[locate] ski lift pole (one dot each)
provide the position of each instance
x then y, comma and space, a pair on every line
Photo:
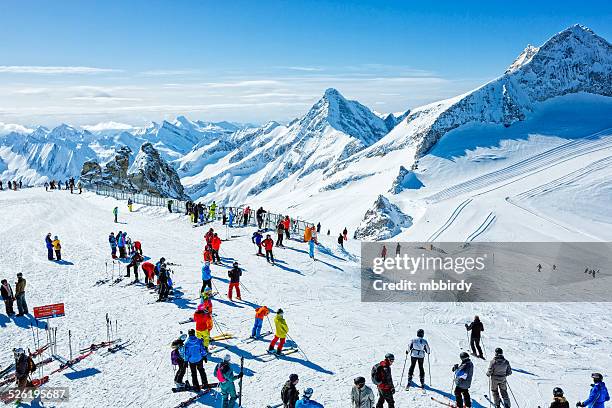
70, 343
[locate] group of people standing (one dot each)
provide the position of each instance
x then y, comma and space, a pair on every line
54, 246
9, 296
67, 185
11, 185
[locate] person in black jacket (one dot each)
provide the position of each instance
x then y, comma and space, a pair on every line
290, 394
234, 275
559, 399
162, 278
7, 296
134, 263
476, 328
24, 365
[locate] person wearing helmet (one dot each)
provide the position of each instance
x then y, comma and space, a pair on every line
417, 350
559, 400
381, 376
195, 353
499, 369
206, 276
463, 380
268, 244
306, 401
476, 327
260, 314
362, 396
289, 393
24, 365
234, 275
226, 377
203, 323
598, 395
281, 327
176, 357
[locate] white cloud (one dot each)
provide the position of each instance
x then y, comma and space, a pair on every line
170, 72
32, 69
307, 69
6, 128
107, 126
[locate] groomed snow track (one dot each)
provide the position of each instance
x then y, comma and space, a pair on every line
449, 221
482, 227
526, 167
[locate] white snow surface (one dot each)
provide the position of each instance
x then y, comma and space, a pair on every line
547, 344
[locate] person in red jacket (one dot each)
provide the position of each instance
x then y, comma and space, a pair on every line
207, 254
215, 244
149, 271
209, 236
268, 244
381, 376
286, 225
203, 323
138, 247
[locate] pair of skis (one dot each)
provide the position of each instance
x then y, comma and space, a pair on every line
70, 363
7, 398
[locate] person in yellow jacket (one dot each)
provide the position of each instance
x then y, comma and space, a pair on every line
57, 247
307, 234
281, 332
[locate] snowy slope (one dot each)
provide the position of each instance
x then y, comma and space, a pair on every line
548, 344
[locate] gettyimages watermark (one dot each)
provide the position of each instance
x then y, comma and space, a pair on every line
486, 272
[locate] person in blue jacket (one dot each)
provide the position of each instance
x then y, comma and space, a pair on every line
311, 247
194, 353
231, 219
206, 276
113, 244
48, 242
306, 402
257, 239
598, 395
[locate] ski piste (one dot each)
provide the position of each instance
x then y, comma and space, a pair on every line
70, 363
448, 404
191, 389
4, 397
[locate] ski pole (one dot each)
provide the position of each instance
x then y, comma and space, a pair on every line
429, 369
513, 397
70, 343
484, 350
403, 368
298, 346
467, 333
240, 383
490, 391
107, 331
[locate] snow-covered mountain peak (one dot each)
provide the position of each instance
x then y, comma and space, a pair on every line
349, 117
523, 58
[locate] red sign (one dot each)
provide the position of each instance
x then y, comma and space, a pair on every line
49, 311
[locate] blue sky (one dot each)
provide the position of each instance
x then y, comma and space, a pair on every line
136, 61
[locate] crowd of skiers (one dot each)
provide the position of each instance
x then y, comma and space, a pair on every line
11, 185
67, 185
9, 297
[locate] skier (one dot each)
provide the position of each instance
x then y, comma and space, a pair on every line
318, 228
398, 249
20, 285
7, 296
245, 215
57, 247
209, 236
476, 327
307, 234
115, 213
268, 244
256, 239
121, 237
311, 248
231, 218
162, 279
286, 226
539, 267
280, 232
289, 393
559, 400
361, 395
46, 186
24, 365
149, 270
281, 330
206, 276
383, 252
177, 360
203, 323
135, 261
212, 211
113, 244
215, 244
499, 369
207, 254
463, 380
205, 297
345, 234
381, 376
49, 244
306, 401
130, 203
260, 313
170, 206
80, 186
417, 350
195, 355
226, 377
234, 275
138, 247
224, 214
260, 214
598, 395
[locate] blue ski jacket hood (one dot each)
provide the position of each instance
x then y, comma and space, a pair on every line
206, 273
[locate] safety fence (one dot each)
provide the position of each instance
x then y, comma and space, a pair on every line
236, 215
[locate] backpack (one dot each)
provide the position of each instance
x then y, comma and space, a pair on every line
285, 392
376, 374
219, 373
174, 357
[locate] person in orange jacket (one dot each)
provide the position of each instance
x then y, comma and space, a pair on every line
286, 225
204, 323
215, 244
260, 314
